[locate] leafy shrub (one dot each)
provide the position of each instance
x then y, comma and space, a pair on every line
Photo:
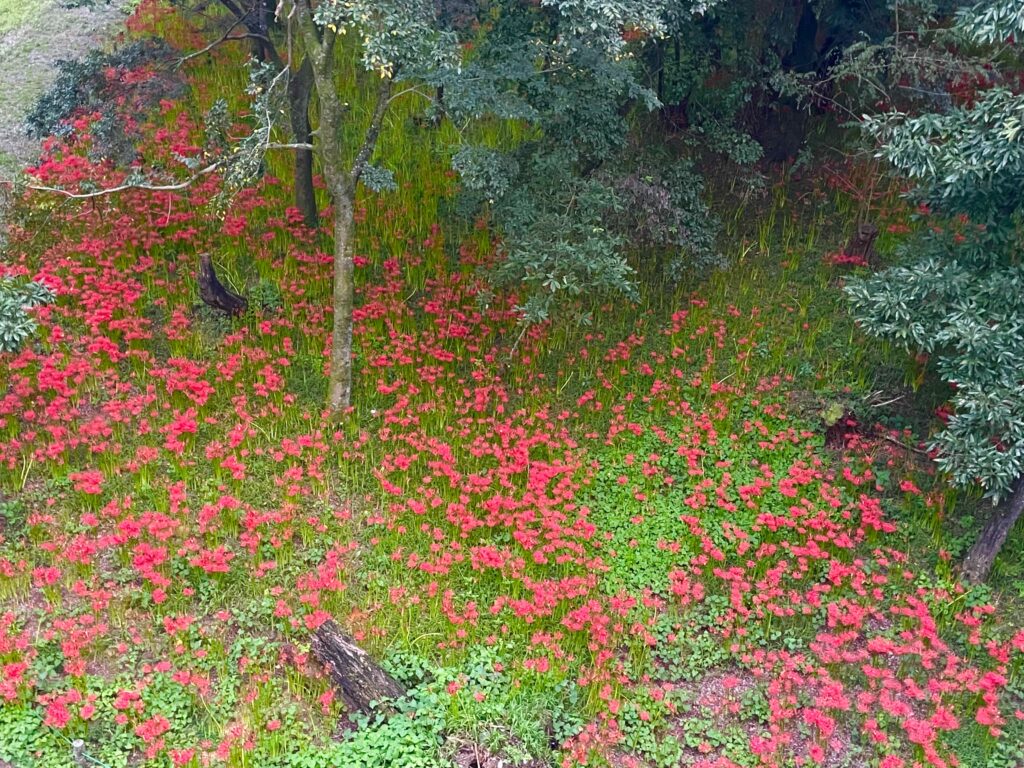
665, 212
266, 296
96, 83
16, 324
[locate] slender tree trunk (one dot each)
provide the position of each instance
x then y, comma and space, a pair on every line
300, 87
342, 189
339, 394
342, 181
979, 560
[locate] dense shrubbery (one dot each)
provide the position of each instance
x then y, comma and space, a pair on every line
117, 84
16, 324
958, 295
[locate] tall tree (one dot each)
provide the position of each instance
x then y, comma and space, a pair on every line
255, 17
568, 72
960, 296
400, 40
560, 65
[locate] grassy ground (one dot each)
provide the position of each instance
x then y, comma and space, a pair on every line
15, 14
624, 545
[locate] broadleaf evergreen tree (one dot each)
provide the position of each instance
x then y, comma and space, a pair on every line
959, 296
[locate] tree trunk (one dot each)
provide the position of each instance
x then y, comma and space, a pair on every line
862, 243
979, 560
256, 23
361, 681
342, 188
342, 181
300, 87
339, 384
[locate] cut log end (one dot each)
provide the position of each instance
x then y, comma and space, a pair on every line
363, 684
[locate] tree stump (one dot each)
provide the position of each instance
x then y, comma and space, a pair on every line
214, 293
862, 243
360, 680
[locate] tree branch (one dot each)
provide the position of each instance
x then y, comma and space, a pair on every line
303, 16
256, 31
227, 37
296, 145
177, 187
373, 131
130, 185
410, 89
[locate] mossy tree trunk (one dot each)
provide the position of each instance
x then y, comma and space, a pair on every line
342, 178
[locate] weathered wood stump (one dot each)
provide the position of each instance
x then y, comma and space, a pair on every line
214, 293
360, 680
862, 243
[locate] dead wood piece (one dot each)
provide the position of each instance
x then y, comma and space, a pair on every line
838, 433
359, 678
862, 243
214, 293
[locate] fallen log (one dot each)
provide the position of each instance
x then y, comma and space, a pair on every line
360, 680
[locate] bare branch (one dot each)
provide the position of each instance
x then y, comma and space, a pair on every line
227, 37
410, 89
130, 185
145, 186
297, 145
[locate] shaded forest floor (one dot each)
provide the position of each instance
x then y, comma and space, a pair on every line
698, 533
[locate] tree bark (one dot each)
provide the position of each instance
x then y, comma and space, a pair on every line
339, 389
979, 560
342, 182
213, 293
361, 681
300, 87
862, 243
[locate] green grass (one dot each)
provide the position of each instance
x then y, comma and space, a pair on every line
15, 13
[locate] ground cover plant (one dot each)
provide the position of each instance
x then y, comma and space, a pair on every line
660, 539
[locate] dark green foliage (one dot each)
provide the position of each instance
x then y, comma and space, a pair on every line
957, 296
16, 324
95, 84
562, 196
663, 216
715, 74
